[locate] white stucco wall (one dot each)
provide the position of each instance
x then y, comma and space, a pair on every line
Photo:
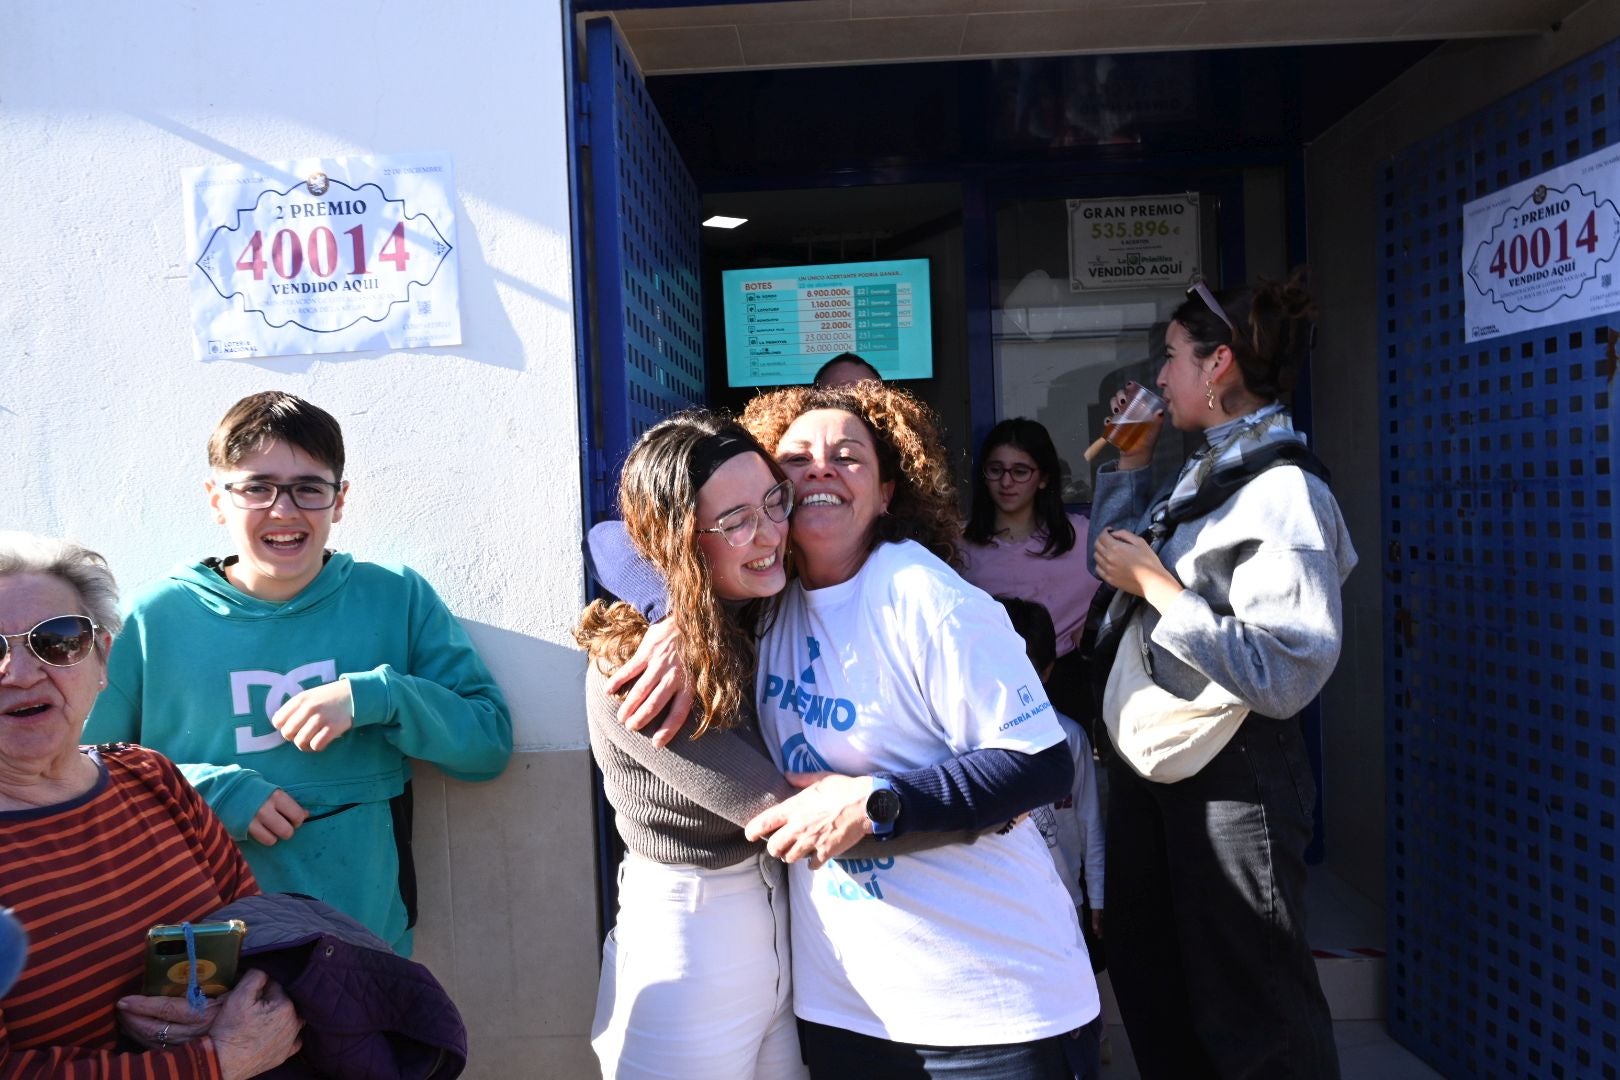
463, 460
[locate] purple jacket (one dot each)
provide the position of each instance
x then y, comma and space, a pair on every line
369, 1014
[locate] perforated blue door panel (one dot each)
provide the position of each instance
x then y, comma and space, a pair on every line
1499, 532
646, 214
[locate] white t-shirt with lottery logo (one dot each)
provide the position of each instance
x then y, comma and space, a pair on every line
906, 665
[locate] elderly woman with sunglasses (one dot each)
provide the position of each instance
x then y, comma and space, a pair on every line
99, 844
1229, 579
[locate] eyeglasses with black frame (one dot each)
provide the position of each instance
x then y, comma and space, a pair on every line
262, 494
995, 470
60, 641
739, 527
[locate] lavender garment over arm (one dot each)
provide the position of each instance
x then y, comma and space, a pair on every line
619, 568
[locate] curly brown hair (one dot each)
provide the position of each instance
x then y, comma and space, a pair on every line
658, 503
909, 450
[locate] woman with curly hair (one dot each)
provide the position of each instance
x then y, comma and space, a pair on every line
905, 697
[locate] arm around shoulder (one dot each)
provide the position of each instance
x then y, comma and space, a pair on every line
719, 770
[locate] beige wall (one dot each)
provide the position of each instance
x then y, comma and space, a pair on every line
463, 459
1343, 169
507, 917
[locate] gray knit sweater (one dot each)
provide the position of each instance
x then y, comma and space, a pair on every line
1261, 614
686, 803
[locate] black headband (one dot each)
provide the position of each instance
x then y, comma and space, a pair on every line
714, 451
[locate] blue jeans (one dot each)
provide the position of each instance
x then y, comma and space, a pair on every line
835, 1054
1206, 915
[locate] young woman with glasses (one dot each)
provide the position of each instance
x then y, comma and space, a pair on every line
1020, 541
695, 974
693, 982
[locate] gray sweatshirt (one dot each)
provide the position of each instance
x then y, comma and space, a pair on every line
1261, 614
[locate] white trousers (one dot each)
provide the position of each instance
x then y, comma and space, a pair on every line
696, 982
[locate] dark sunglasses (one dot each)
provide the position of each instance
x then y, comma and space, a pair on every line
61, 641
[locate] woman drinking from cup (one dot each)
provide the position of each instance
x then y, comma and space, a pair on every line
1229, 585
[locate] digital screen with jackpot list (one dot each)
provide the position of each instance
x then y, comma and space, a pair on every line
784, 322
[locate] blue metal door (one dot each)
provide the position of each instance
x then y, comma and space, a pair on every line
1500, 651
645, 309
641, 320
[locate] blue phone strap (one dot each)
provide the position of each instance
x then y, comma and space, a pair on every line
194, 994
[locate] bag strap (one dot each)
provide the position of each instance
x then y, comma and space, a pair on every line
1218, 487
1224, 482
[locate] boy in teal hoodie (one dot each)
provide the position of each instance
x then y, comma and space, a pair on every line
293, 684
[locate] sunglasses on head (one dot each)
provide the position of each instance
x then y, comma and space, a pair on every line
60, 641
1200, 290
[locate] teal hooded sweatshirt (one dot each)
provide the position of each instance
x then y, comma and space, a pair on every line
201, 667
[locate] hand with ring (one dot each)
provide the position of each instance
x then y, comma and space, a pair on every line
159, 1023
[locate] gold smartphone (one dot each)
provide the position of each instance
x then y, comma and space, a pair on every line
219, 947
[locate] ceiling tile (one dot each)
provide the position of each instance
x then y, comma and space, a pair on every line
822, 32
877, 8
1156, 26
858, 41
1225, 23
696, 48
1465, 18
785, 11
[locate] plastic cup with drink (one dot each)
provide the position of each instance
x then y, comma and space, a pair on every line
1127, 428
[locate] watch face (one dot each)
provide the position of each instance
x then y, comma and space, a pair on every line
883, 806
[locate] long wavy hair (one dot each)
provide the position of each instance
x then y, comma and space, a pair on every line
910, 454
659, 506
1030, 436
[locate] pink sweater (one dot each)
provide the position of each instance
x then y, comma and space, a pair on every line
1063, 584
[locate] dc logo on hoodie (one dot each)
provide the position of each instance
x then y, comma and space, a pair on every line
279, 688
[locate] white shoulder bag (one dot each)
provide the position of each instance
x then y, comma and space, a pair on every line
1163, 737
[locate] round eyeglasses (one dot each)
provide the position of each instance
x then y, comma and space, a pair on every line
995, 470
262, 494
738, 527
60, 641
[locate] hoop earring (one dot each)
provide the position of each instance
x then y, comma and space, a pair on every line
1209, 394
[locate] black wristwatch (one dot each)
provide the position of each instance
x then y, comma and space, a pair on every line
882, 807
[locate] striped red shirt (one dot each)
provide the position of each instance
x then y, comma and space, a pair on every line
87, 879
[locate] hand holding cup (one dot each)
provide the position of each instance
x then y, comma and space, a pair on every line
1134, 426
